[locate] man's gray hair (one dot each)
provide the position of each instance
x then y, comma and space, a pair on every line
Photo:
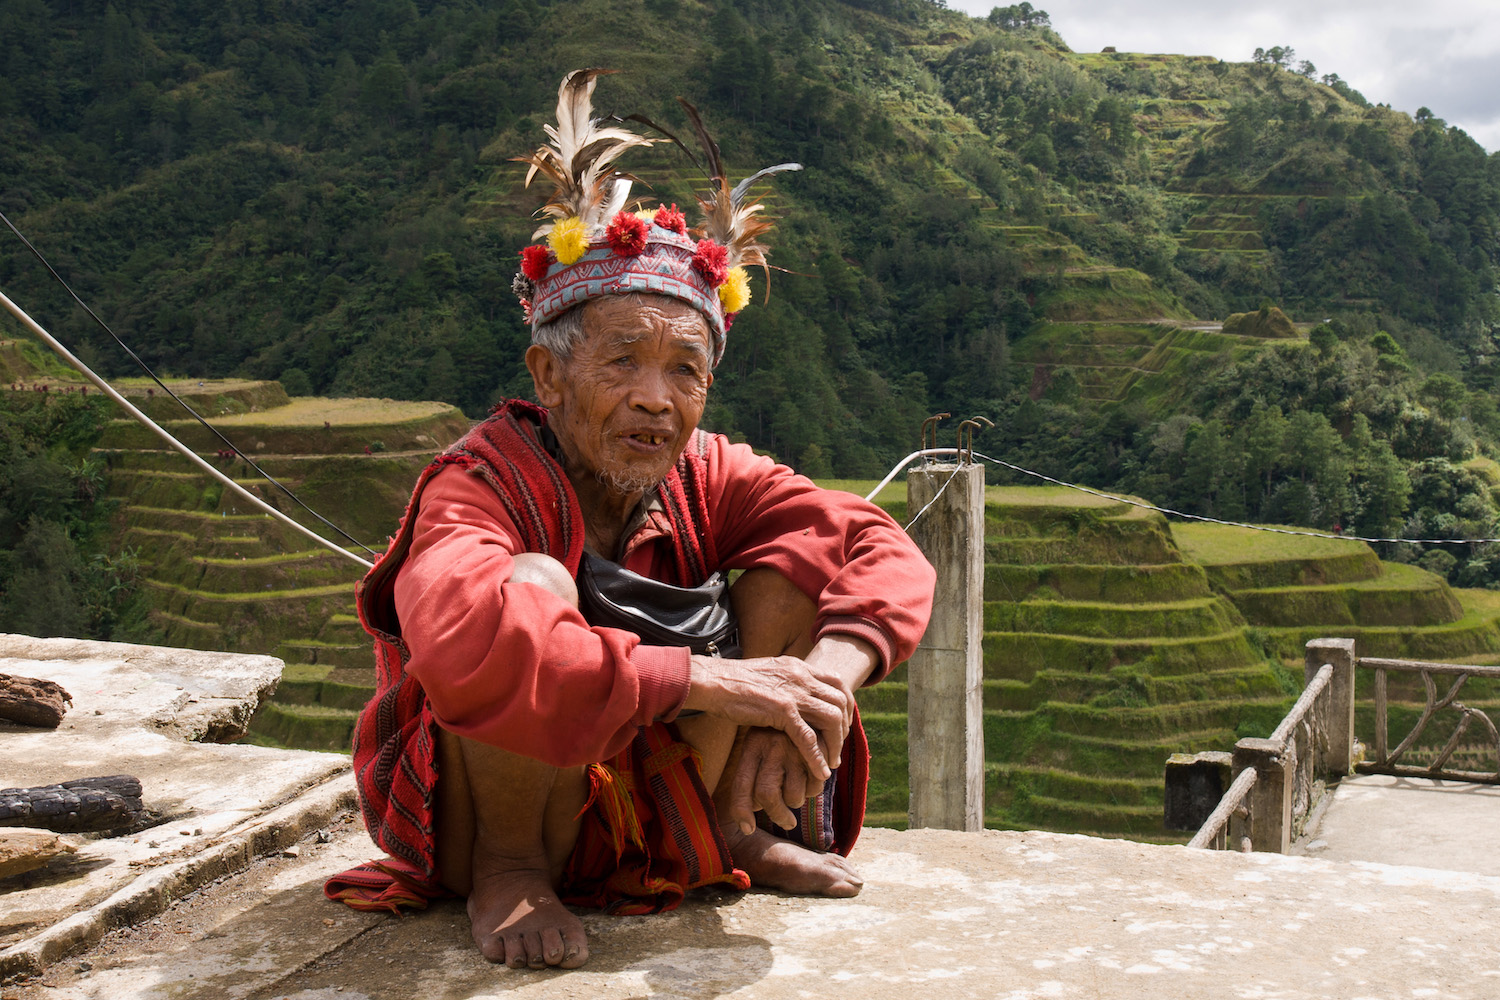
563, 333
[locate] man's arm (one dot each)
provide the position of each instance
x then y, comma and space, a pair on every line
514, 666
869, 580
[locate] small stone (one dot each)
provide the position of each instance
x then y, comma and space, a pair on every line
98, 711
85, 966
324, 836
328, 921
197, 831
292, 852
152, 843
185, 833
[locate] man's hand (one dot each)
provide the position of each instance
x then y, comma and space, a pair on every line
775, 692
811, 701
768, 775
845, 663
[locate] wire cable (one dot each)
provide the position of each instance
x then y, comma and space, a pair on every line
196, 415
932, 452
1233, 524
191, 455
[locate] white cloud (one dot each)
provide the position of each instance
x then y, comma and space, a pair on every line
1443, 55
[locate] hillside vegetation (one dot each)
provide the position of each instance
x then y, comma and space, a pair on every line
988, 223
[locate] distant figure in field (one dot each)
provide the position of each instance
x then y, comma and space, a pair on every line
572, 708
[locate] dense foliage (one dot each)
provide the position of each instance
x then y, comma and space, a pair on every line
56, 575
319, 192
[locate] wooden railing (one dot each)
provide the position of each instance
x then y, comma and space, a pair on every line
1388, 761
1271, 786
1278, 780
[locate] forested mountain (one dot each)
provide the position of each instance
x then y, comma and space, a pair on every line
321, 192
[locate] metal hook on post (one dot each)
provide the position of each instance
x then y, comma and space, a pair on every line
966, 441
931, 424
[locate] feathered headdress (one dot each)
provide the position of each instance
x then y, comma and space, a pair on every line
593, 247
727, 219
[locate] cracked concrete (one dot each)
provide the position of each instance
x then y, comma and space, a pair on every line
209, 905
994, 914
136, 710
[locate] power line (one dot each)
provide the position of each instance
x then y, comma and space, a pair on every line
191, 455
1145, 505
165, 388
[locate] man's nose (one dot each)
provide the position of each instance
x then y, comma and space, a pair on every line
651, 392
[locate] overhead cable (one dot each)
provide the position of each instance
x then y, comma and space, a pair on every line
191, 455
167, 389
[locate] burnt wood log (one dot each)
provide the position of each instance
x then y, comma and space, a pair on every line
74, 806
32, 702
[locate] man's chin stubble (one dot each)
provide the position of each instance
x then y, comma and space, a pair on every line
628, 481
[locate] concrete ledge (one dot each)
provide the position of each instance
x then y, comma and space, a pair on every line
943, 915
154, 891
213, 807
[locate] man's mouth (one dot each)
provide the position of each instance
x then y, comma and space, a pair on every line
649, 439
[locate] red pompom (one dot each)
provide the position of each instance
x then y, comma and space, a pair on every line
626, 235
535, 260
712, 261
671, 219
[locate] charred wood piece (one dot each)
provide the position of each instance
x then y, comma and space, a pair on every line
33, 702
88, 804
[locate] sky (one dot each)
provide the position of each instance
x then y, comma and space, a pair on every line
1440, 54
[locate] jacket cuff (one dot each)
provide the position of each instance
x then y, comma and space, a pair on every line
860, 628
663, 673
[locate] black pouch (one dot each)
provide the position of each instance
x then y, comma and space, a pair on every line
699, 618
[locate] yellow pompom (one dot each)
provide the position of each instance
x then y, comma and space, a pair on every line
569, 240
647, 214
735, 292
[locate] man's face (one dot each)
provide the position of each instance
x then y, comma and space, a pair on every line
626, 402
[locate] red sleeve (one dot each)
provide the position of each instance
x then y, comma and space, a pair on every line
511, 664
869, 579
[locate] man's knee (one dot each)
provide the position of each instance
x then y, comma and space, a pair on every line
775, 617
547, 573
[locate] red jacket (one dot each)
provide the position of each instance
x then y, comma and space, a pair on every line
511, 665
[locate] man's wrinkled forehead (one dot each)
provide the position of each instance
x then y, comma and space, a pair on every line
625, 323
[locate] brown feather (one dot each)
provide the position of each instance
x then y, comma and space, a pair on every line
579, 159
727, 219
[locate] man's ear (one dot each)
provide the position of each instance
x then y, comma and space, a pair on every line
546, 375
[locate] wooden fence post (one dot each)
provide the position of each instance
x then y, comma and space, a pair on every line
1339, 759
945, 721
1271, 799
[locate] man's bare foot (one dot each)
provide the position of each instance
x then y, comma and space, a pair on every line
518, 919
774, 863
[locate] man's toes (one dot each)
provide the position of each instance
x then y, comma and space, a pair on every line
843, 889
536, 957
552, 946
491, 946
575, 948
515, 951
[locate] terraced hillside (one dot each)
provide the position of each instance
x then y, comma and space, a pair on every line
1112, 640
226, 577
1294, 588
1104, 651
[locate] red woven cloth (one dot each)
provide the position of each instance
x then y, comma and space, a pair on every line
651, 832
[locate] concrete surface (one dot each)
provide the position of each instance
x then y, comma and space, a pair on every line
136, 710
1410, 821
943, 914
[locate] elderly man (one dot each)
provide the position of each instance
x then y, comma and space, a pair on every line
521, 755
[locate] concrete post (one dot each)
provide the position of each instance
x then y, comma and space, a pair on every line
1339, 759
1195, 782
1271, 798
945, 720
